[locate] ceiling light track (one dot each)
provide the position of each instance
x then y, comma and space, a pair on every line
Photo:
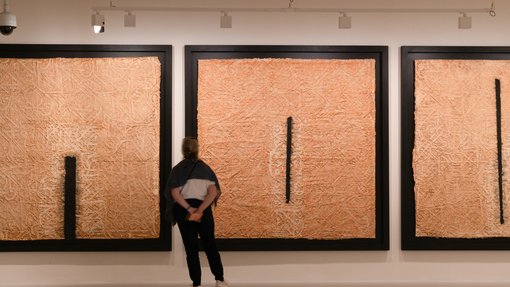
344, 21
297, 10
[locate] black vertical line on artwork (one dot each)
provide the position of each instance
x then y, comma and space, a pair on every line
500, 160
70, 198
289, 157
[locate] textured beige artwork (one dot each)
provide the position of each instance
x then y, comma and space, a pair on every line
103, 111
243, 105
455, 157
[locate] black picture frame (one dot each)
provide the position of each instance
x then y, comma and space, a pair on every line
164, 53
409, 240
194, 53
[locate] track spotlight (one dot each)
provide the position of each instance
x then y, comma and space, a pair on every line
129, 20
7, 20
98, 23
464, 21
344, 21
225, 21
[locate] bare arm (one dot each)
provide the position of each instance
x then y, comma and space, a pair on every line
209, 198
177, 196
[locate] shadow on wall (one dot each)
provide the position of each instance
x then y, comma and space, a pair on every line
496, 256
86, 258
303, 257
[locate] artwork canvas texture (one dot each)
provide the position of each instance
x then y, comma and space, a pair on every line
105, 113
243, 112
461, 148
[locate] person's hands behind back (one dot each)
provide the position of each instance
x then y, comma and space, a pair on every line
195, 217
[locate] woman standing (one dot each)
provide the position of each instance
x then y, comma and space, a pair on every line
194, 188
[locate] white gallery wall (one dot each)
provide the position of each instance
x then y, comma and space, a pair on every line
68, 22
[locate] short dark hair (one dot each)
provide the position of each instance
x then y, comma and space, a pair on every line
190, 148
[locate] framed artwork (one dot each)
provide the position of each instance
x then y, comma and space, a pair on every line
455, 148
297, 136
85, 133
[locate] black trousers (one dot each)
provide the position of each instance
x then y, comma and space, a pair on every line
190, 232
